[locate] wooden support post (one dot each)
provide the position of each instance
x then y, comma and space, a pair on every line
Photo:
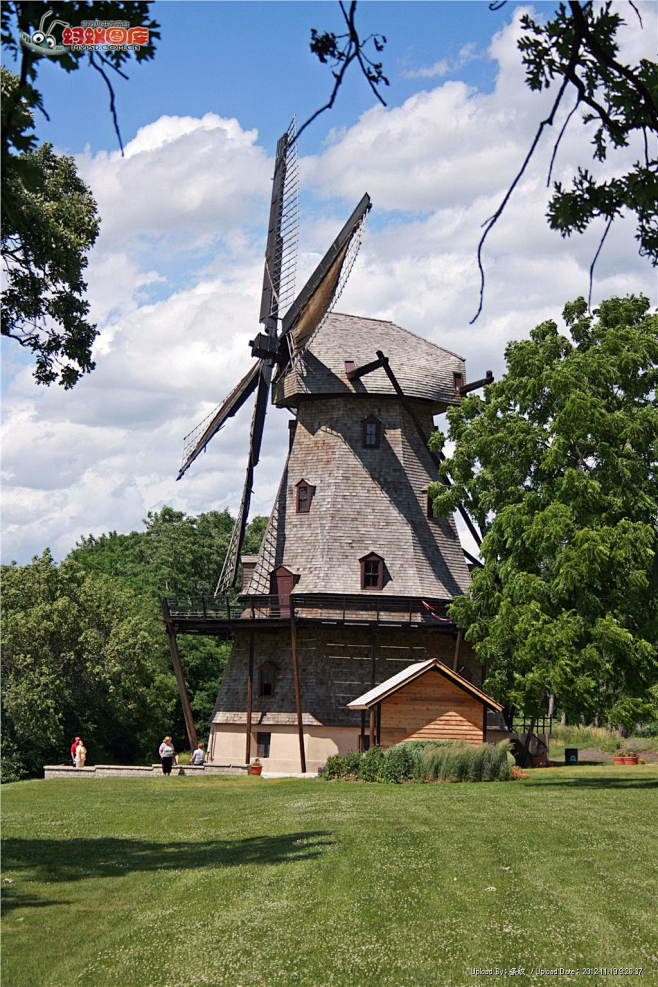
379, 724
180, 678
298, 688
250, 698
458, 650
373, 669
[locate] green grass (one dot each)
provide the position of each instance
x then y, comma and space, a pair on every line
596, 739
178, 882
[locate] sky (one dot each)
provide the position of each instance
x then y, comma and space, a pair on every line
174, 278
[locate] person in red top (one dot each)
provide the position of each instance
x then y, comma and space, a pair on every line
73, 749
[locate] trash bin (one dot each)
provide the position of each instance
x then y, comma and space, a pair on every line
571, 755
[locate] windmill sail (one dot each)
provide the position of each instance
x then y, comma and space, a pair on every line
318, 294
278, 288
232, 559
283, 233
198, 439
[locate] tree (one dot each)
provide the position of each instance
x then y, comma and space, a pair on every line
175, 555
557, 463
50, 219
577, 51
50, 223
81, 655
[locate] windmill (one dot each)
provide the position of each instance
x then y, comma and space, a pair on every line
354, 572
272, 350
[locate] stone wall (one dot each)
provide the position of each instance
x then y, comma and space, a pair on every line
139, 770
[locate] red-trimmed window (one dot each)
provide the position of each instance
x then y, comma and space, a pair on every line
372, 571
372, 432
304, 497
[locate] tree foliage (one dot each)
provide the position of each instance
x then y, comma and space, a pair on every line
577, 50
85, 650
49, 215
80, 655
50, 223
558, 465
579, 46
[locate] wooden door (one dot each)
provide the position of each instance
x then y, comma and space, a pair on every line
282, 581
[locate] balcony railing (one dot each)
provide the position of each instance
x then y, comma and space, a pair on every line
330, 608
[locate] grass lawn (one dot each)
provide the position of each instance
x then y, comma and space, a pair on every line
176, 882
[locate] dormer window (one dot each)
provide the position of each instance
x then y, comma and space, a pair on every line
266, 679
372, 432
458, 382
304, 497
372, 571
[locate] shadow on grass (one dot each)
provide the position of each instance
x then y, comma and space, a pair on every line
76, 860
604, 781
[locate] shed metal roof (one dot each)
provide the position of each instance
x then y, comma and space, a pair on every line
411, 672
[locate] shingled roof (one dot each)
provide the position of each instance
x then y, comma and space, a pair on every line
423, 369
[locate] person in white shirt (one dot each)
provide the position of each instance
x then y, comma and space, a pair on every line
199, 755
167, 754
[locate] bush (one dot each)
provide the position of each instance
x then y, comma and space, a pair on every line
371, 763
646, 729
398, 765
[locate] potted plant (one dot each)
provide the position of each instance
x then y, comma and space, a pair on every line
256, 768
630, 757
619, 758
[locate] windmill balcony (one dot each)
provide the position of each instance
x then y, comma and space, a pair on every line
203, 614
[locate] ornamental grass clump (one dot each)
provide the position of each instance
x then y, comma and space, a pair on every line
465, 762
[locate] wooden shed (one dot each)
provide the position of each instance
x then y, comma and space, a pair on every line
427, 701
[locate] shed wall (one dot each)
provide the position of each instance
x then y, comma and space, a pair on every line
431, 708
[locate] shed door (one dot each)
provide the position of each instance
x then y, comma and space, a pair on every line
282, 581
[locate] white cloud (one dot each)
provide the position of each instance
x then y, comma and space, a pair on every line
445, 66
175, 279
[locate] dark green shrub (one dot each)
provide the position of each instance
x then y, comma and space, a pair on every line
335, 767
342, 765
397, 765
370, 764
352, 763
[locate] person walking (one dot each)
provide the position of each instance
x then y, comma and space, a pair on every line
80, 755
167, 754
74, 747
199, 755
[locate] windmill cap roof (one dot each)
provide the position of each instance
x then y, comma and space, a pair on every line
423, 369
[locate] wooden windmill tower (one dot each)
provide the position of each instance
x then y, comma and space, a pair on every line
354, 573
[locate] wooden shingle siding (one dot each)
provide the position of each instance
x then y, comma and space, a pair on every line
423, 369
335, 667
431, 708
366, 500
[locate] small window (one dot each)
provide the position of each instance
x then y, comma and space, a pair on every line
372, 572
304, 497
430, 511
263, 744
372, 432
266, 679
458, 381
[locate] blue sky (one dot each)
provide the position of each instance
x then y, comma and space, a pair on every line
252, 60
174, 278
